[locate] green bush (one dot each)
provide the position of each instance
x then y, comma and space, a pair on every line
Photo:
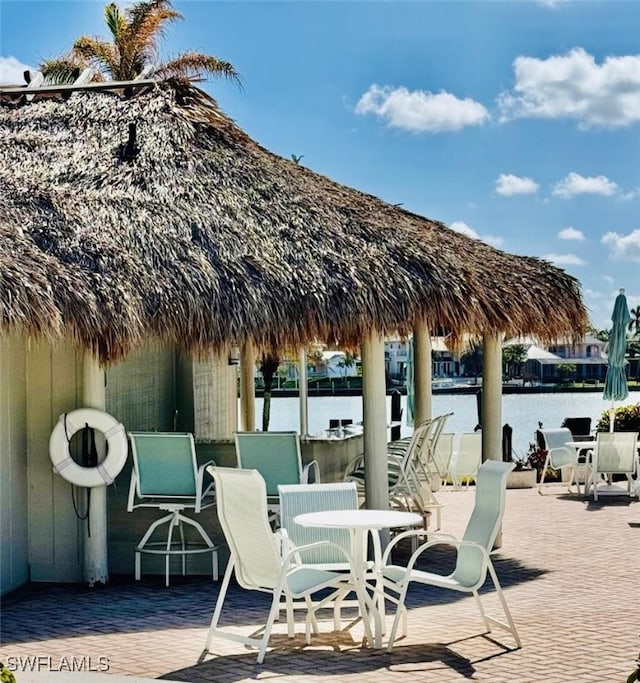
627, 419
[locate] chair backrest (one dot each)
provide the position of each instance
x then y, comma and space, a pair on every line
468, 457
555, 442
443, 453
297, 499
276, 455
616, 452
241, 500
164, 464
485, 521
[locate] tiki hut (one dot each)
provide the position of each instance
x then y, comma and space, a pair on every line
139, 212
155, 215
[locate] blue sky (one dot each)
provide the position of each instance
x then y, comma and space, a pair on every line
516, 122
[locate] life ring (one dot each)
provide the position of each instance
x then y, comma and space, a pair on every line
106, 471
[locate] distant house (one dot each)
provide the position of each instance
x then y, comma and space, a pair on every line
443, 361
334, 365
542, 365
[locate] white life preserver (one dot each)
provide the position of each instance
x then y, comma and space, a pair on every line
106, 471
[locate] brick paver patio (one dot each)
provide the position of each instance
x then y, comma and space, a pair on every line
570, 569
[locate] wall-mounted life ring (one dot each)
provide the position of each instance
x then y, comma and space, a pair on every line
106, 471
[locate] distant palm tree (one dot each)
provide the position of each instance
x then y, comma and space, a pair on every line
634, 323
135, 34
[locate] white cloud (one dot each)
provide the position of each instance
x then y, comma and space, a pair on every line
421, 111
11, 71
571, 234
508, 185
573, 86
493, 240
464, 229
565, 259
608, 279
626, 247
573, 184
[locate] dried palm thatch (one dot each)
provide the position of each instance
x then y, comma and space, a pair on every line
197, 235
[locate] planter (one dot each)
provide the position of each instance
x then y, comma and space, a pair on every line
521, 479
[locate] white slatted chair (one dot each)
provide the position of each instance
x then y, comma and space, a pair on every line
302, 498
473, 559
258, 563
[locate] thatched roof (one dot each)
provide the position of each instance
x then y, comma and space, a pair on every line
205, 237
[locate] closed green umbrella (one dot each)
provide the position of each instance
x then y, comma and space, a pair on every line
615, 383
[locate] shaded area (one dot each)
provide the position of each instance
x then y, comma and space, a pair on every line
128, 606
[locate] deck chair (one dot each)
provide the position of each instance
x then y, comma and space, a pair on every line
466, 460
443, 455
559, 454
614, 453
258, 563
166, 476
296, 499
276, 455
473, 559
404, 486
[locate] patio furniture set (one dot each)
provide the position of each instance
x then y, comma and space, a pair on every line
293, 537
597, 461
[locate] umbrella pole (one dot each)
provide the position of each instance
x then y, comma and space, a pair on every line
612, 415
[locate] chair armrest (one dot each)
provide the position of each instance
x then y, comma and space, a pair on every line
457, 543
294, 551
200, 494
353, 465
307, 469
433, 538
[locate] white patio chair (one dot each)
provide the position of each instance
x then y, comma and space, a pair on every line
559, 454
166, 476
614, 453
258, 563
466, 460
301, 498
473, 559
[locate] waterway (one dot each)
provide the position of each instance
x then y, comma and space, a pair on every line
521, 411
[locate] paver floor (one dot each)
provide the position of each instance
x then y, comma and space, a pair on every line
570, 569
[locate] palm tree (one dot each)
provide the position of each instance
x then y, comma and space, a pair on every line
634, 323
135, 34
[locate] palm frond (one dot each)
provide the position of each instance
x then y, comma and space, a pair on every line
114, 20
99, 54
61, 70
138, 13
192, 66
143, 36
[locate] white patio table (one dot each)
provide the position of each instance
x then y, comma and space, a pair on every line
359, 523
